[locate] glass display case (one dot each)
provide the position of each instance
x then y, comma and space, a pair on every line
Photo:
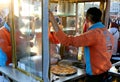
32, 48
30, 37
72, 22
65, 17
28, 29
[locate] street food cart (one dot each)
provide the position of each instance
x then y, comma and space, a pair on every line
31, 47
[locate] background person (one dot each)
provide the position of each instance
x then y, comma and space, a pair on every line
5, 40
98, 43
113, 29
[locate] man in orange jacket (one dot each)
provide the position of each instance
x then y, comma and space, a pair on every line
98, 43
5, 42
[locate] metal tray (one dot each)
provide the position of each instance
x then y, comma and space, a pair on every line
79, 65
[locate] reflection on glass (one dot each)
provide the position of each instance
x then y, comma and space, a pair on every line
28, 33
71, 22
66, 8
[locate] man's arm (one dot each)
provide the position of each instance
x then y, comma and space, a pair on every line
53, 21
85, 39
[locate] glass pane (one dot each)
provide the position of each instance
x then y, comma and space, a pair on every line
66, 8
28, 33
67, 19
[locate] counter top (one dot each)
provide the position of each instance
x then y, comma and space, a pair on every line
16, 75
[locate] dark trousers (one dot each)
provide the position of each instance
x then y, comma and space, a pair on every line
97, 78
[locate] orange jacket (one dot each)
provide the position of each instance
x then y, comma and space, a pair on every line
52, 38
100, 43
5, 43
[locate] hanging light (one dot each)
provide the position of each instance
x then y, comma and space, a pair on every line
66, 7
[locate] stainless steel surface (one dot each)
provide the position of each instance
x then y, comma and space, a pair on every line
114, 70
16, 75
116, 64
80, 73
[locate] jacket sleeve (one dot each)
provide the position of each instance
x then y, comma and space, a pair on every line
5, 42
86, 39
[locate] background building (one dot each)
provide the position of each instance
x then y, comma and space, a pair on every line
115, 11
115, 8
